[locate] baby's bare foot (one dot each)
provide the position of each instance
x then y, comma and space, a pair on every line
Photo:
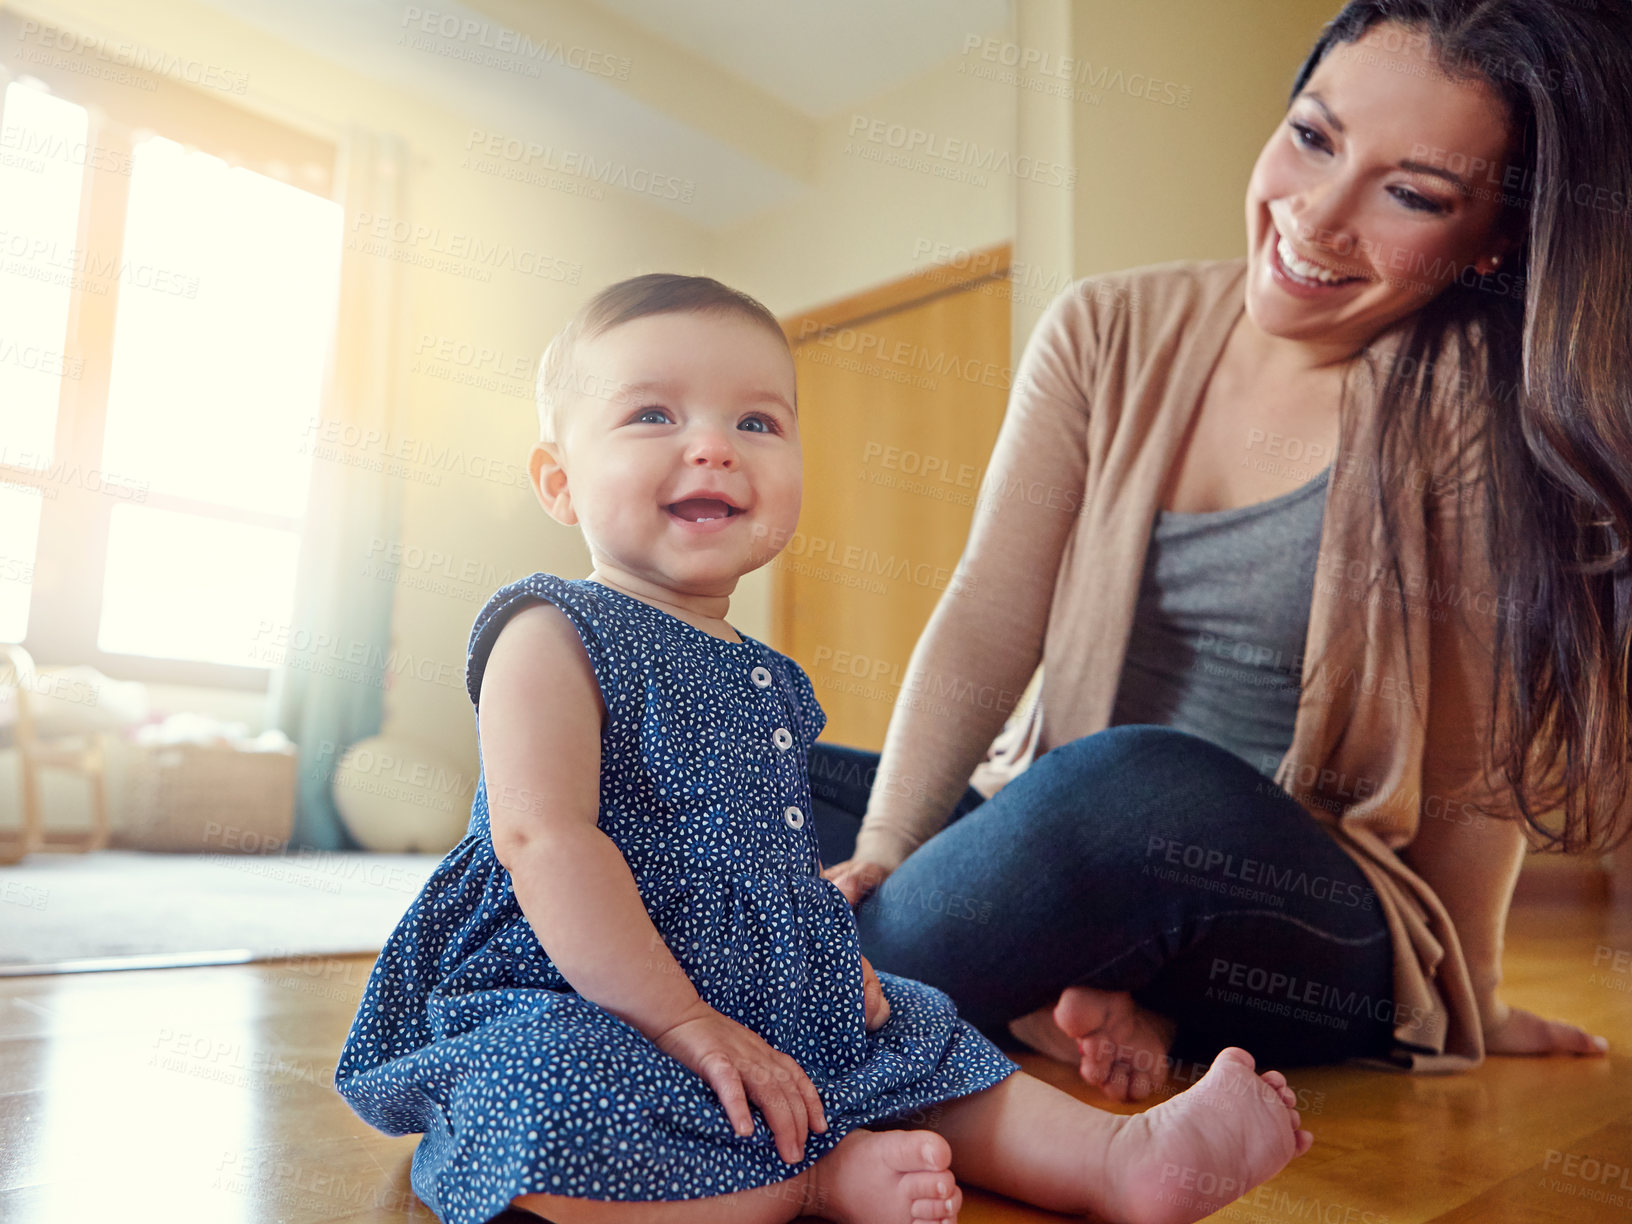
1122, 1048
886, 1177
1188, 1156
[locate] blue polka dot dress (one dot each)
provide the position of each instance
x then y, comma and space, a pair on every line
468, 1034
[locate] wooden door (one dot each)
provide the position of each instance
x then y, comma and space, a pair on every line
901, 393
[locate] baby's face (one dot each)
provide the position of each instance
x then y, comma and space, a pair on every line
685, 467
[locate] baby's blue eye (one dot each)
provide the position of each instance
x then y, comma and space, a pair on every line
770, 426
646, 412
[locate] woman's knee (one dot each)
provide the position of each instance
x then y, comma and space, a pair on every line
1131, 778
1157, 753
1148, 799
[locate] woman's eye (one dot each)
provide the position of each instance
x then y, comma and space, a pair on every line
1420, 203
1307, 136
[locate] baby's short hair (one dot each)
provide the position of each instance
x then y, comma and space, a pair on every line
652, 294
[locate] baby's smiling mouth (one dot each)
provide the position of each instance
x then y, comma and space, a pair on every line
701, 509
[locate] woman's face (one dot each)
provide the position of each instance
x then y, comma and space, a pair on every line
1386, 173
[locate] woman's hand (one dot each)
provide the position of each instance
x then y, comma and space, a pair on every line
877, 1007
738, 1065
856, 878
1516, 1031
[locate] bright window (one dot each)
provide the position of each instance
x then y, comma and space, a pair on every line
223, 330
169, 282
186, 586
39, 217
226, 307
19, 544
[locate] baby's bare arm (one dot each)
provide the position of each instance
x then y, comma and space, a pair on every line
540, 716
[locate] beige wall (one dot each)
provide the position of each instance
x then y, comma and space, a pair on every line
866, 221
1162, 180
1161, 111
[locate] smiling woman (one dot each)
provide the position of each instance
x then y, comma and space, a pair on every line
1430, 304
1352, 224
1511, 108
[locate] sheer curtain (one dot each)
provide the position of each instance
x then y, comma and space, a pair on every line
328, 692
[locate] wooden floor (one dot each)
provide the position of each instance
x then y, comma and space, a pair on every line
205, 1094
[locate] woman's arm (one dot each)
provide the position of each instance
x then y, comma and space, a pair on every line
1472, 863
1470, 842
985, 638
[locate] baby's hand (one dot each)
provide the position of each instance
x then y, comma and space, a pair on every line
732, 1057
877, 1007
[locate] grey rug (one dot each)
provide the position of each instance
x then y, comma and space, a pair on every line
127, 909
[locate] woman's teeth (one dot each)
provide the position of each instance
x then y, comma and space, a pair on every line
1308, 271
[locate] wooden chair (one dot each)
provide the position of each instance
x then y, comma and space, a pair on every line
83, 754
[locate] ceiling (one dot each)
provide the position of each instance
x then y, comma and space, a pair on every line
822, 58
791, 64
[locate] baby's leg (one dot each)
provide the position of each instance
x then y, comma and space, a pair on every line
776, 1204
871, 1177
1172, 1164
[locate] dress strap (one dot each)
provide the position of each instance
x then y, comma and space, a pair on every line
593, 617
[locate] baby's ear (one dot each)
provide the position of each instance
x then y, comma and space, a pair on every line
549, 481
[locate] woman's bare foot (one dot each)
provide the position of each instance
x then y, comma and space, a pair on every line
1040, 1032
1187, 1157
886, 1177
1117, 1046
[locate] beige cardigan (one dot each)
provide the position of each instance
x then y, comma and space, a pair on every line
1108, 384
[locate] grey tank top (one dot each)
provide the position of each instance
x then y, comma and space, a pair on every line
1223, 612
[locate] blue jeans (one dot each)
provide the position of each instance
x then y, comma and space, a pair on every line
1140, 859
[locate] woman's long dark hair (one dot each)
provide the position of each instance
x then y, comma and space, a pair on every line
1547, 401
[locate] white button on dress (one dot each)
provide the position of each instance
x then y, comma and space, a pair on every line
794, 817
782, 738
761, 677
